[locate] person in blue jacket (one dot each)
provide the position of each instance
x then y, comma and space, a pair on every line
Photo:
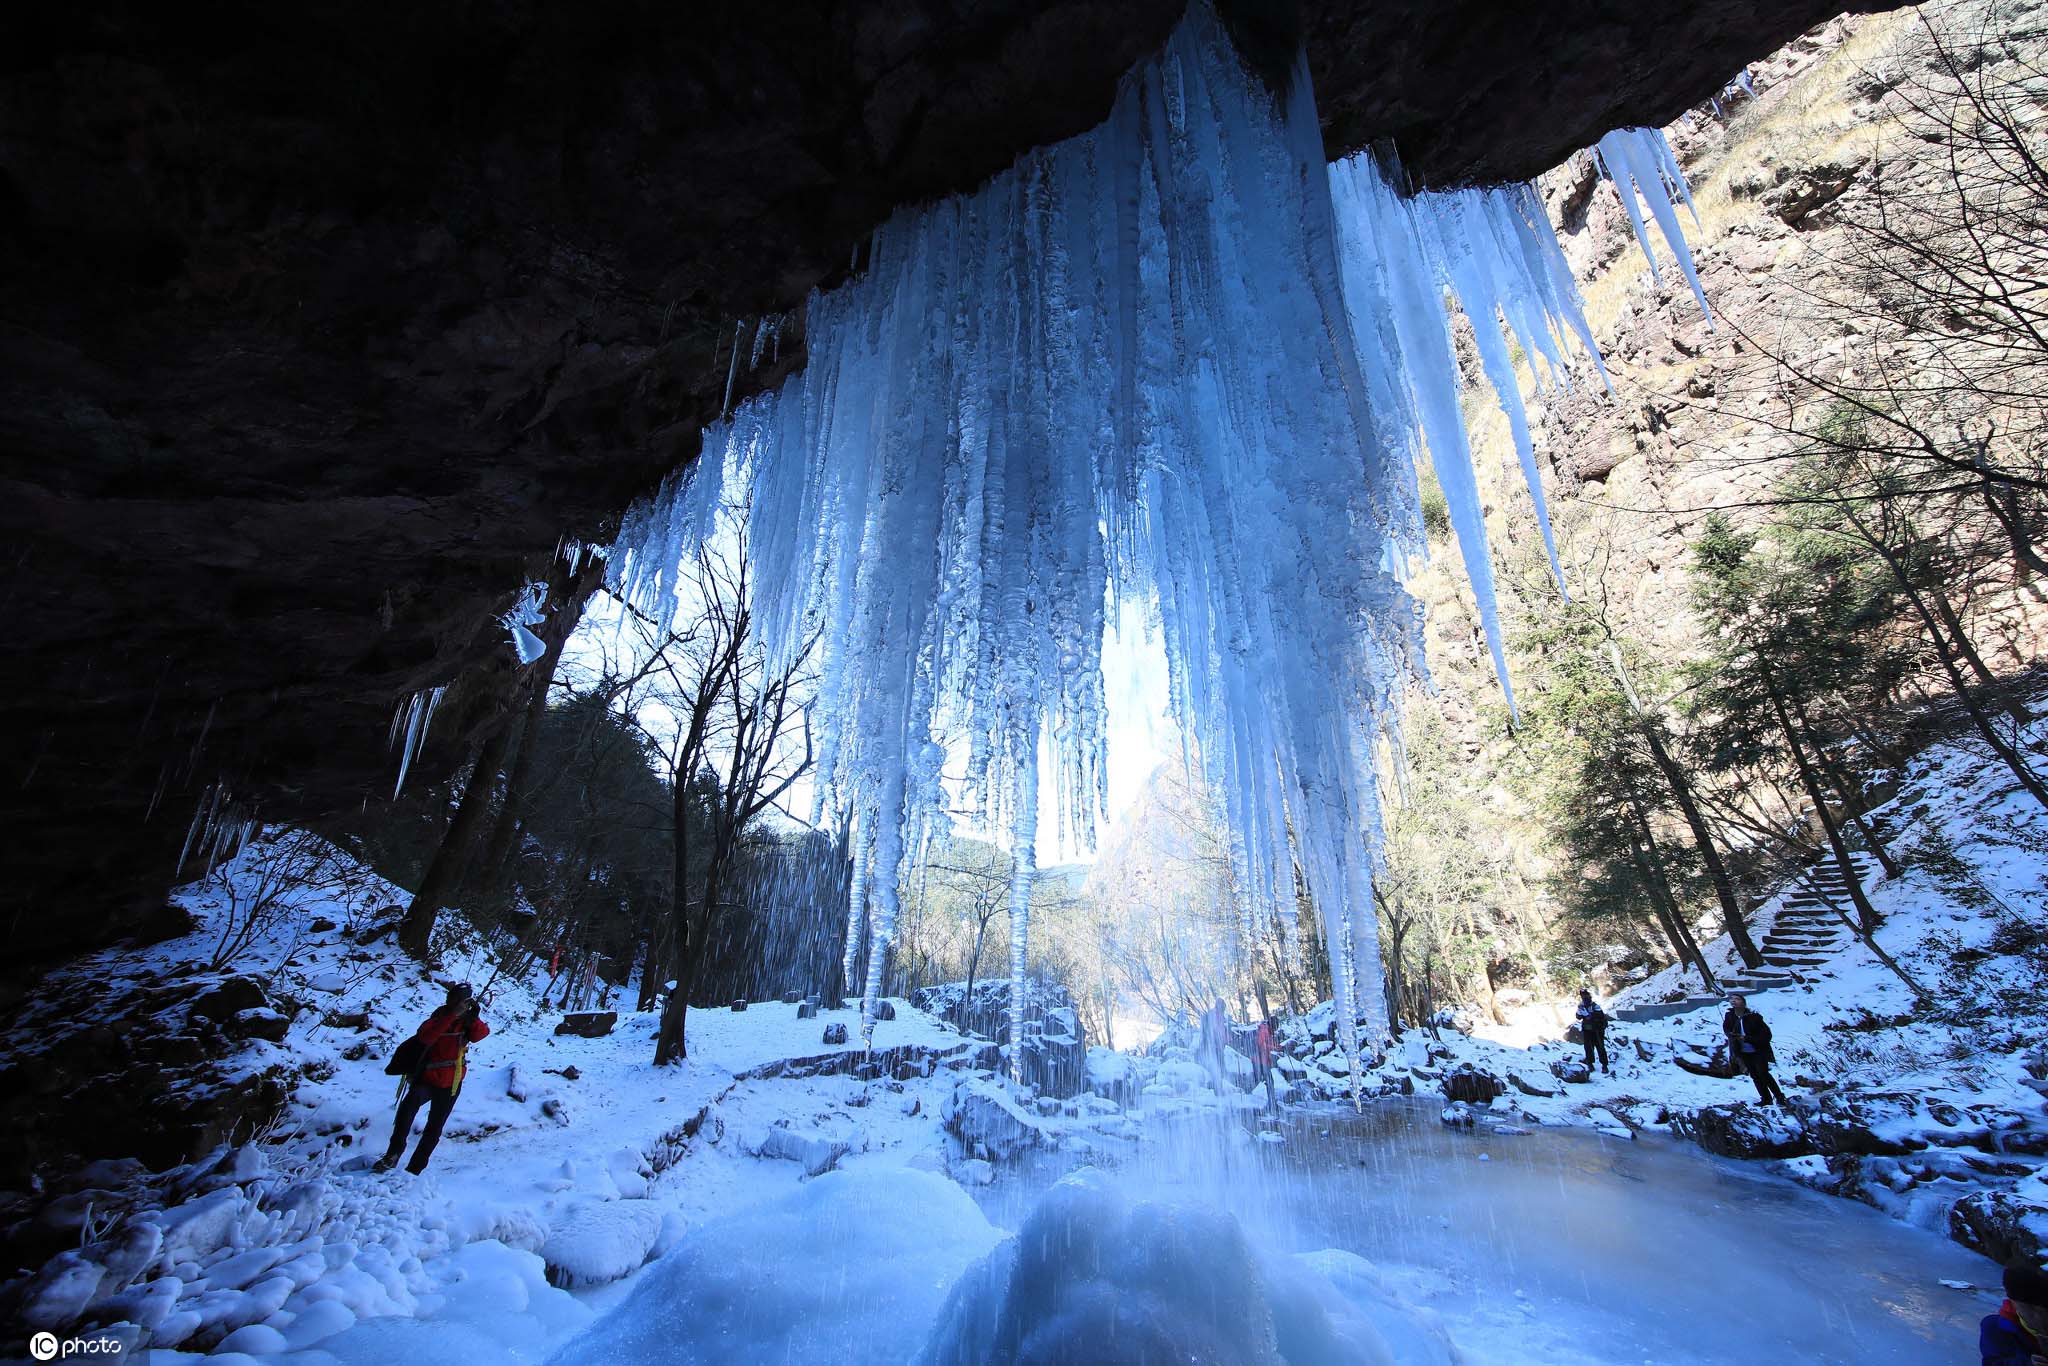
2013, 1336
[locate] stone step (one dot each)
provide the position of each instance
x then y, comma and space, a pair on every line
1786, 961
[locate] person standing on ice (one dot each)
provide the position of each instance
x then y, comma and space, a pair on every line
1265, 1047
1593, 1030
445, 1039
1749, 1046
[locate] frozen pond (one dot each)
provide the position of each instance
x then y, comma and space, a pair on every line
1566, 1246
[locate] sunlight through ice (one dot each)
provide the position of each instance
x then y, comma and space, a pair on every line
1175, 373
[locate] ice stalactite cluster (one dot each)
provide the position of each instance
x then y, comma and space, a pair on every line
1179, 358
1494, 252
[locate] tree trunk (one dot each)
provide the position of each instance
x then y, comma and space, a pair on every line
973, 966
1844, 793
451, 861
1703, 840
1946, 652
1650, 859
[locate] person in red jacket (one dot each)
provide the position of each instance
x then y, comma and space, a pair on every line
446, 1037
1265, 1048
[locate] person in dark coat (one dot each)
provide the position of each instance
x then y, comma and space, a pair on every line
1593, 1031
447, 1035
2010, 1337
1749, 1046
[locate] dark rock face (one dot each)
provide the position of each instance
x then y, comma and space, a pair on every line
1472, 1086
588, 1024
321, 331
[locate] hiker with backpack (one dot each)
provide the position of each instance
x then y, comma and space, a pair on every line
1593, 1030
433, 1062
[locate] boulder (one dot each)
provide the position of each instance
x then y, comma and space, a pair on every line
815, 1153
260, 1022
1472, 1085
1527, 1087
589, 1024
1571, 1070
988, 1124
884, 1011
808, 1010
739, 1007
1869, 1124
2004, 1226
1459, 1115
1746, 1131
835, 1033
230, 998
790, 998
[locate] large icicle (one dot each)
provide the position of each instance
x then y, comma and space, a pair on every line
1177, 358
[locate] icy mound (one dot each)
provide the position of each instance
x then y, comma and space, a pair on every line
853, 1267
599, 1243
1168, 1284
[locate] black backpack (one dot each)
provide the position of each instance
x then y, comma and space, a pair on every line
407, 1059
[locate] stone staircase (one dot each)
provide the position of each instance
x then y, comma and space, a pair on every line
1807, 932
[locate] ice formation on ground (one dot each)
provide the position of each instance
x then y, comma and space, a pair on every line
1178, 359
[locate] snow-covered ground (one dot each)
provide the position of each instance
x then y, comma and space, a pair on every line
771, 1198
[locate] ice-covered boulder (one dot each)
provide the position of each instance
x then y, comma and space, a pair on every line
989, 1124
60, 1291
2009, 1227
1167, 1284
815, 1153
597, 1243
1113, 1075
852, 1265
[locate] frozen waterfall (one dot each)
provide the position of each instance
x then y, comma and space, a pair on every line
1178, 358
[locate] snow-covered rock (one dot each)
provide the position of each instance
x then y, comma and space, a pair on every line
989, 1124
815, 1153
597, 1243
1747, 1131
